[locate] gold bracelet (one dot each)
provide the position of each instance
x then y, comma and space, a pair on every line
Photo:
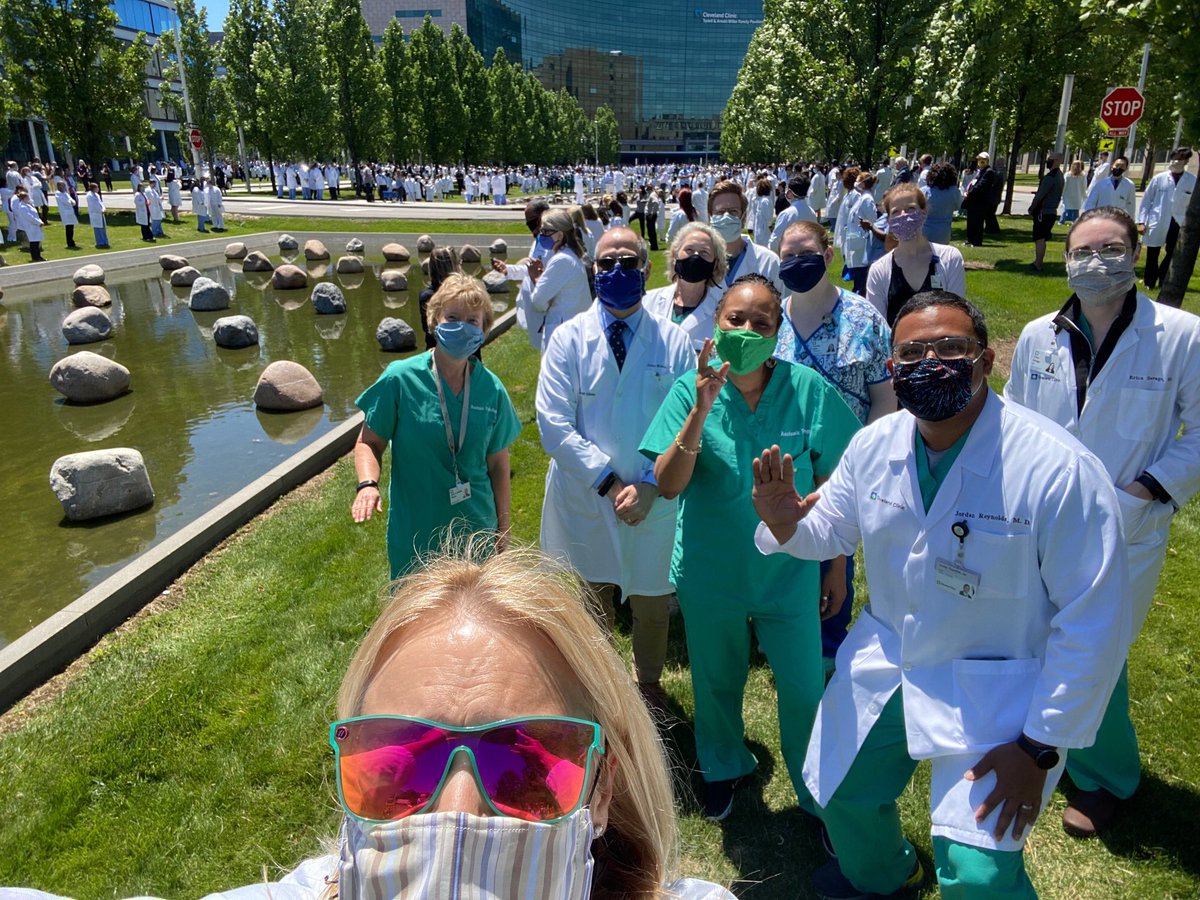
688, 450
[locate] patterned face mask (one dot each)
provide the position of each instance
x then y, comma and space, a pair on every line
458, 856
934, 389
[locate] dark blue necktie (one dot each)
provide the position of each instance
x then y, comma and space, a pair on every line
616, 340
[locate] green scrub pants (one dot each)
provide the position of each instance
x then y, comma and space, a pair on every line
719, 641
864, 827
1113, 762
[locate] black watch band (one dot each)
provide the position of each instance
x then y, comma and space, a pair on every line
1152, 484
1043, 757
370, 482
607, 483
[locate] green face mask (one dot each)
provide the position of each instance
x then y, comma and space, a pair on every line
744, 350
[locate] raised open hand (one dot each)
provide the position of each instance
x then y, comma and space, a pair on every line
776, 500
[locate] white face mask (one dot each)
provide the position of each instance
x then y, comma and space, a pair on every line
458, 856
1098, 281
728, 226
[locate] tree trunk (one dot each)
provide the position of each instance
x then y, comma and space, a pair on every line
1183, 262
271, 166
1148, 168
1011, 177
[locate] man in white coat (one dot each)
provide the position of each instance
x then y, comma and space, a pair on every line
816, 192
1121, 373
1113, 190
604, 375
1164, 207
997, 624
499, 189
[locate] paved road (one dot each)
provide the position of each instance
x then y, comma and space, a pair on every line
264, 205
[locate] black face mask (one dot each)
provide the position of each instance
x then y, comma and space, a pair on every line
694, 268
1117, 173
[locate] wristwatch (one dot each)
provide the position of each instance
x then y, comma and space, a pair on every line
1043, 757
370, 482
607, 483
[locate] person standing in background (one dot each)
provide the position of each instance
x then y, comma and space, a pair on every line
154, 198
1074, 192
66, 214
174, 196
199, 205
95, 205
978, 198
1044, 208
1164, 208
28, 221
1113, 190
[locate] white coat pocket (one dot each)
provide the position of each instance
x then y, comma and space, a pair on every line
1002, 561
1142, 414
1134, 515
992, 696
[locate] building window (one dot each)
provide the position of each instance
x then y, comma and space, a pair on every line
418, 13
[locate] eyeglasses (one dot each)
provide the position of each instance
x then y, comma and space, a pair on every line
607, 263
944, 348
1109, 253
535, 768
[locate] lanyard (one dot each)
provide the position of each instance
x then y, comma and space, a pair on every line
466, 409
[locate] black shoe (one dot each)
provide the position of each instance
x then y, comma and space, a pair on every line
830, 884
718, 799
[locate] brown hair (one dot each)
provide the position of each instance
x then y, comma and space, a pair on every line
903, 190
1112, 214
850, 176
728, 187
814, 229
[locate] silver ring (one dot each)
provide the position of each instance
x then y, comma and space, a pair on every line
1026, 806
824, 598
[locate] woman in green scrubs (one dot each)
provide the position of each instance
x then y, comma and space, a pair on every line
450, 423
704, 440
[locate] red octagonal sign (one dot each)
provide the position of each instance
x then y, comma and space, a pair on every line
1121, 107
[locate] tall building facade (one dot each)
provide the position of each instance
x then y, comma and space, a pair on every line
29, 138
665, 67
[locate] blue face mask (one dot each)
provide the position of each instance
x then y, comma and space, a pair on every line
620, 288
459, 339
545, 243
801, 274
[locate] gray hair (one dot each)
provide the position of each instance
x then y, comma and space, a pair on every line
720, 255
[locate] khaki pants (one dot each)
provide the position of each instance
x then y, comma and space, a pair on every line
651, 624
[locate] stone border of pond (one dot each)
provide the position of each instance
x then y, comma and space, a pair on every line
52, 645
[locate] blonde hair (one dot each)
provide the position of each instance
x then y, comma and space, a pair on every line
465, 289
526, 590
721, 259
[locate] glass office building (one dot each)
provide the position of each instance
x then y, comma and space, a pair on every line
666, 67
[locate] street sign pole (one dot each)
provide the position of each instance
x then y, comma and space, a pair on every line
1142, 90
1064, 108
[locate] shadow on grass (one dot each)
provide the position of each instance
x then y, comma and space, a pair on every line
1157, 821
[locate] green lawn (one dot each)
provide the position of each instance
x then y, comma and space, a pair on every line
189, 751
125, 234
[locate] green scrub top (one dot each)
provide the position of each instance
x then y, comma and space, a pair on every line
931, 479
714, 554
402, 407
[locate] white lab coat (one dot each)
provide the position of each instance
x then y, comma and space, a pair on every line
25, 216
174, 194
141, 208
66, 210
883, 180
95, 205
950, 275
1038, 649
762, 260
154, 200
199, 205
855, 243
592, 416
698, 324
816, 191
1163, 201
1147, 389
761, 210
798, 211
700, 201
1104, 193
561, 293
216, 206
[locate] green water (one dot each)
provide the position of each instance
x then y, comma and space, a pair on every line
190, 411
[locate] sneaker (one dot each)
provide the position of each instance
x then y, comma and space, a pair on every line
718, 799
830, 884
1090, 813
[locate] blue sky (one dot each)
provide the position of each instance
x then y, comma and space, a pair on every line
217, 11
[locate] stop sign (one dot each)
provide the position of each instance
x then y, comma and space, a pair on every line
1120, 108
195, 139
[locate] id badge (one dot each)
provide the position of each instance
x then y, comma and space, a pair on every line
957, 580
935, 281
459, 493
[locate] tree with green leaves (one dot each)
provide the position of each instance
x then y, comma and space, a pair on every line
76, 73
571, 128
358, 80
505, 81
293, 82
607, 135
400, 119
199, 61
478, 106
440, 106
247, 24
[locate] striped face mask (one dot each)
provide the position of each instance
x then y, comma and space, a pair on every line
458, 856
